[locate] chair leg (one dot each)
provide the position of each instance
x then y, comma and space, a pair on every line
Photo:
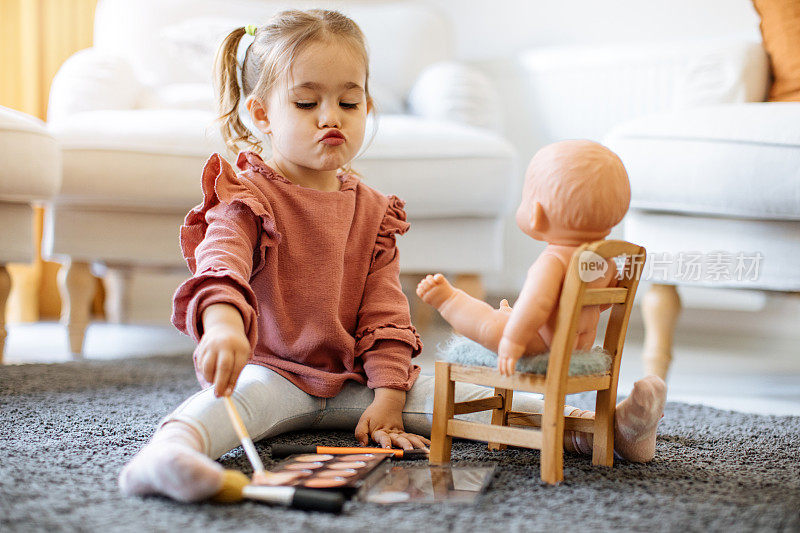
5, 289
603, 438
500, 416
76, 286
443, 406
660, 309
552, 457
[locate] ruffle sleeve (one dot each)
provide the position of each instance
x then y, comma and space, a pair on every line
224, 242
221, 185
384, 313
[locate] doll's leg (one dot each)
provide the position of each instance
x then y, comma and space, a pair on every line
178, 460
469, 316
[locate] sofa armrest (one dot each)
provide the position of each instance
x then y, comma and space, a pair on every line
458, 93
91, 80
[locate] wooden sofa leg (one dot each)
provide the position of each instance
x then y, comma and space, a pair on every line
443, 406
5, 289
76, 286
500, 416
660, 309
117, 285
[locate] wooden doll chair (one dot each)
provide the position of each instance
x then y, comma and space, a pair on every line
555, 383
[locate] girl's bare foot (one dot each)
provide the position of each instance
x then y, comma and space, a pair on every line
435, 290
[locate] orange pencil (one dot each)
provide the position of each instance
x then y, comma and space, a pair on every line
283, 450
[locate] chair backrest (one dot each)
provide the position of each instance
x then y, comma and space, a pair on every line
588, 264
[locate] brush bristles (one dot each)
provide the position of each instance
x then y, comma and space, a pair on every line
233, 483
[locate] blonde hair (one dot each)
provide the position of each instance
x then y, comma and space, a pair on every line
581, 184
270, 56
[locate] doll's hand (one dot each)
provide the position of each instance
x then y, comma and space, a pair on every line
508, 353
504, 307
383, 421
224, 349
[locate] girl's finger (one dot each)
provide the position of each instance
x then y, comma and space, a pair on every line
224, 369
423, 439
237, 370
415, 440
362, 432
382, 439
208, 364
401, 442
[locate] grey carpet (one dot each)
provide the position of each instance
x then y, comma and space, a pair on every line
67, 429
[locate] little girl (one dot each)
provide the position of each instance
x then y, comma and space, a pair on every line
295, 297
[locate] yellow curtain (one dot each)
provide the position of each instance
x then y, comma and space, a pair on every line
36, 37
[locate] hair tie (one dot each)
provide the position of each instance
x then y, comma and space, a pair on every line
250, 29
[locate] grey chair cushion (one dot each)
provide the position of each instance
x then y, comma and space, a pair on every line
461, 350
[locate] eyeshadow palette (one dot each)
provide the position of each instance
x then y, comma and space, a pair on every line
343, 473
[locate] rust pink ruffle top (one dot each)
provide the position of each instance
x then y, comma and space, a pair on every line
314, 274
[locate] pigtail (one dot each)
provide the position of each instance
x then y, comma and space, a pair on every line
229, 93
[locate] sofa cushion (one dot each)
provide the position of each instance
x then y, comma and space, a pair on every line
740, 160
153, 159
716, 251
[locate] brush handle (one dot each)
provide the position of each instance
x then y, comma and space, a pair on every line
299, 498
241, 431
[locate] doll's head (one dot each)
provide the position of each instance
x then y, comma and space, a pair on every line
303, 76
575, 191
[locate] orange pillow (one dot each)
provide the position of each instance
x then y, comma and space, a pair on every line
780, 30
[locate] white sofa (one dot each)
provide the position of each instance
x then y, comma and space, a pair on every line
716, 202
134, 115
715, 192
30, 172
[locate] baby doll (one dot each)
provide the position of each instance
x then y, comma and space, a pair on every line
575, 192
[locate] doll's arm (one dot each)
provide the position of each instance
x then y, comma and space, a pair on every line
536, 302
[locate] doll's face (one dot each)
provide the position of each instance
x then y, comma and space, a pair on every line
316, 115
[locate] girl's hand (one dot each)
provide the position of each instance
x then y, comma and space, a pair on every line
224, 349
383, 422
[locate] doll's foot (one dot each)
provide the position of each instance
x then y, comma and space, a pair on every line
636, 420
435, 290
171, 469
504, 307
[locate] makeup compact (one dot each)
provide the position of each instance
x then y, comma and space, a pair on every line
343, 473
427, 484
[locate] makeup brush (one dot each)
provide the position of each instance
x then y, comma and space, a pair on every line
236, 487
283, 450
259, 473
